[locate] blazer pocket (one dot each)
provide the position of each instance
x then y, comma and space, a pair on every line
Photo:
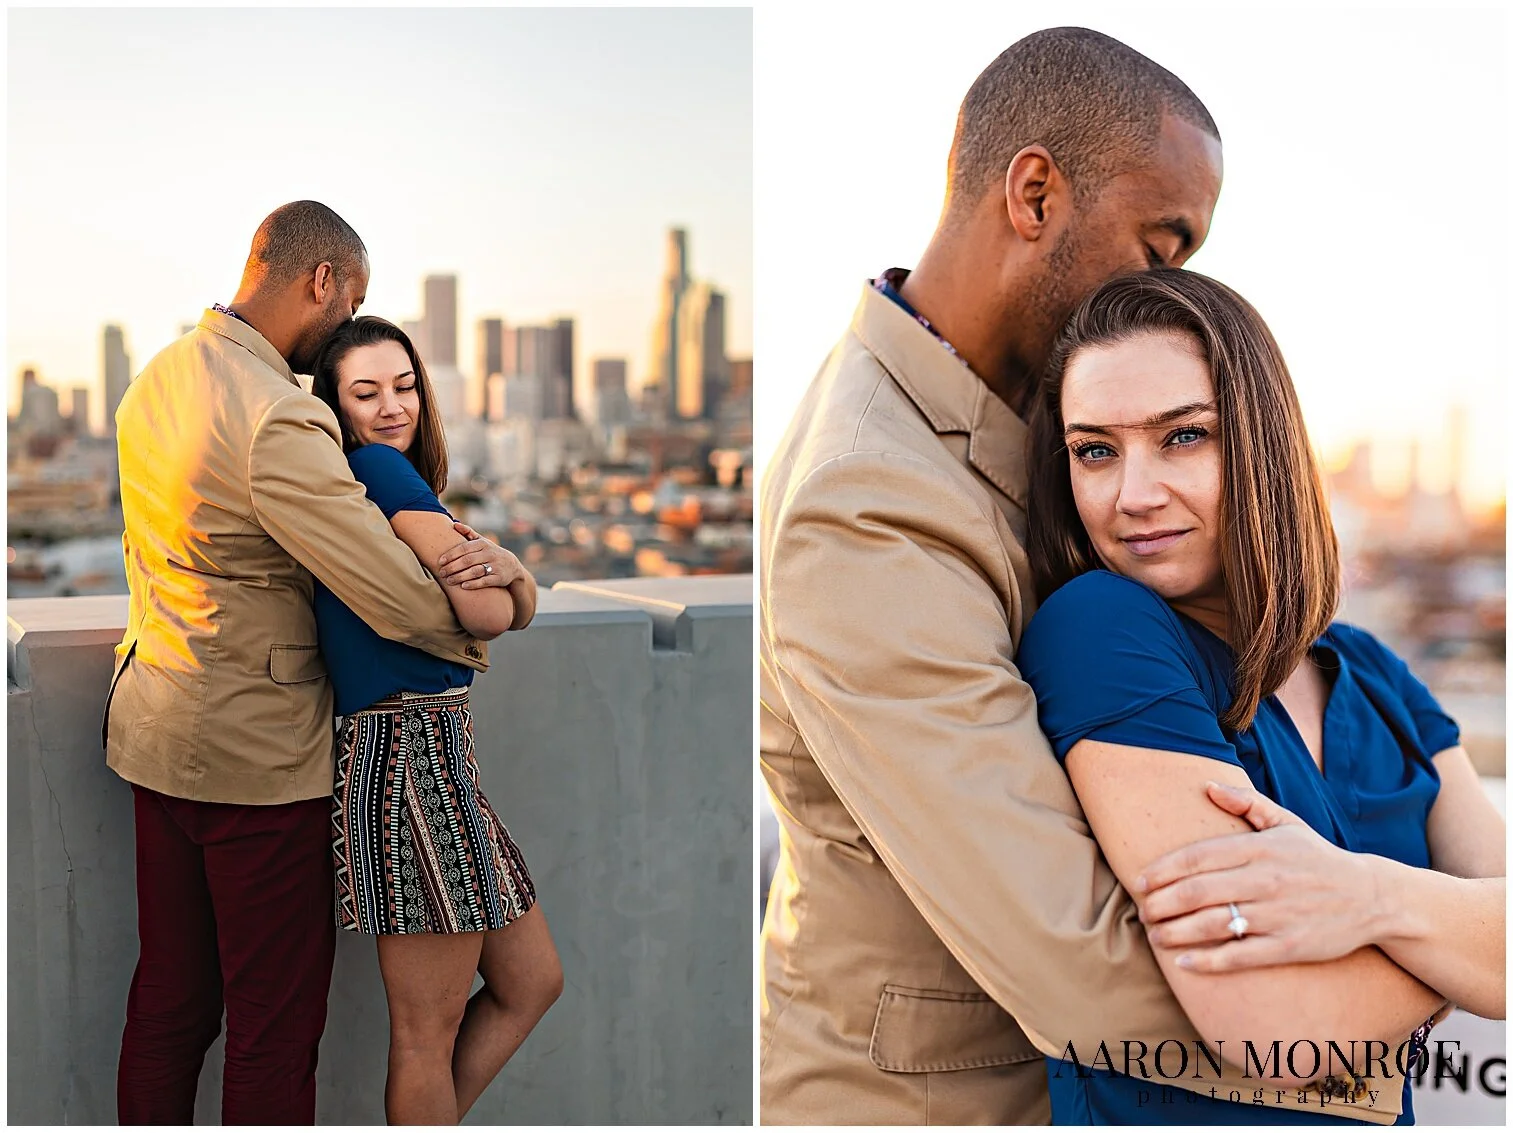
926, 1032
294, 664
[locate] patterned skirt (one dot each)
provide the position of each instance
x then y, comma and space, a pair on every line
417, 846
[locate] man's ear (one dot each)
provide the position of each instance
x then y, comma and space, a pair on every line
322, 282
1034, 192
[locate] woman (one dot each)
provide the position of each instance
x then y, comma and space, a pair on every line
1186, 657
422, 861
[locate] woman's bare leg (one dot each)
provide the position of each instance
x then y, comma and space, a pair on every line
522, 977
427, 977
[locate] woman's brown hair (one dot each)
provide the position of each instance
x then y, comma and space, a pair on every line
429, 452
1279, 554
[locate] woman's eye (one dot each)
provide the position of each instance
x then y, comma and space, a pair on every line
366, 396
1094, 450
1189, 436
405, 389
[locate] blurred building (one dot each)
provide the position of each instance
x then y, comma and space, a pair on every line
117, 375
662, 359
523, 399
39, 424
611, 401
78, 411
488, 364
439, 321
740, 378
703, 373
415, 331
545, 354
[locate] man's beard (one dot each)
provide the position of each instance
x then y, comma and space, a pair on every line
1059, 293
307, 350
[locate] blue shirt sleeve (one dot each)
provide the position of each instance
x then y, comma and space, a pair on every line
1437, 730
1109, 660
391, 481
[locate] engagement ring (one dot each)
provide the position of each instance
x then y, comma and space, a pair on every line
1237, 923
488, 568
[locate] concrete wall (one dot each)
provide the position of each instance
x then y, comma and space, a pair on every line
614, 740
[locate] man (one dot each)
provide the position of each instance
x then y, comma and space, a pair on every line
941, 914
235, 491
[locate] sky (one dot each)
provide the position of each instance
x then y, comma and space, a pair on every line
540, 155
1364, 212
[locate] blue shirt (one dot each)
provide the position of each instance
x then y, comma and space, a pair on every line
363, 666
1110, 660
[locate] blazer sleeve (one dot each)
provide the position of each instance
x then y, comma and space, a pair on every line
305, 497
895, 657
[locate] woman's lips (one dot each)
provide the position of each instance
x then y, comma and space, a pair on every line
392, 429
1153, 544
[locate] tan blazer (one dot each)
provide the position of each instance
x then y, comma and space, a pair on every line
235, 491
941, 913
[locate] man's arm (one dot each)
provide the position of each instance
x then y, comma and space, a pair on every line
894, 655
307, 500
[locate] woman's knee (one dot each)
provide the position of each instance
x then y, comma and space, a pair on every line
429, 1035
551, 982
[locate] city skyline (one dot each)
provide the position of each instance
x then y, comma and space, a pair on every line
607, 128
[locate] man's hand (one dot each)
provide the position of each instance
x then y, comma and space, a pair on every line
1305, 899
477, 562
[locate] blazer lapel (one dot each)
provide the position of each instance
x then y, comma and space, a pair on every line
951, 397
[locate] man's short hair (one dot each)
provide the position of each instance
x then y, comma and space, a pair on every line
296, 237
1093, 102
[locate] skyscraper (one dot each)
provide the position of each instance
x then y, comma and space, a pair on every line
703, 372
740, 378
611, 404
38, 415
489, 361
545, 354
522, 398
117, 375
563, 379
78, 411
662, 365
440, 320
415, 331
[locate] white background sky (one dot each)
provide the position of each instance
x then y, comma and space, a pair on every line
1364, 210
539, 155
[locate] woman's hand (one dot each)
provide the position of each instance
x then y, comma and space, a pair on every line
478, 562
1303, 898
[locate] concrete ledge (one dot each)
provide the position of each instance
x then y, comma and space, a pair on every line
619, 754
674, 604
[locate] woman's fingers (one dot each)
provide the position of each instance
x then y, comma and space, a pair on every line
1206, 926
1207, 890
1249, 804
1237, 955
1227, 851
470, 552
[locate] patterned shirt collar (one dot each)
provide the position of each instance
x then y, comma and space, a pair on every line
225, 310
891, 283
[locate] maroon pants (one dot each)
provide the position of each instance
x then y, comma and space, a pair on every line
234, 910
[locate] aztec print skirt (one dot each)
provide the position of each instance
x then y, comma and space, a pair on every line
417, 846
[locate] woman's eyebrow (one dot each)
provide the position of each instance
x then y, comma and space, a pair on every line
1155, 420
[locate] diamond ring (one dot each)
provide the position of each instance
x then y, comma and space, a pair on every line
1237, 924
488, 568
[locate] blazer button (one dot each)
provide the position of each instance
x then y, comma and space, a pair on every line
473, 651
